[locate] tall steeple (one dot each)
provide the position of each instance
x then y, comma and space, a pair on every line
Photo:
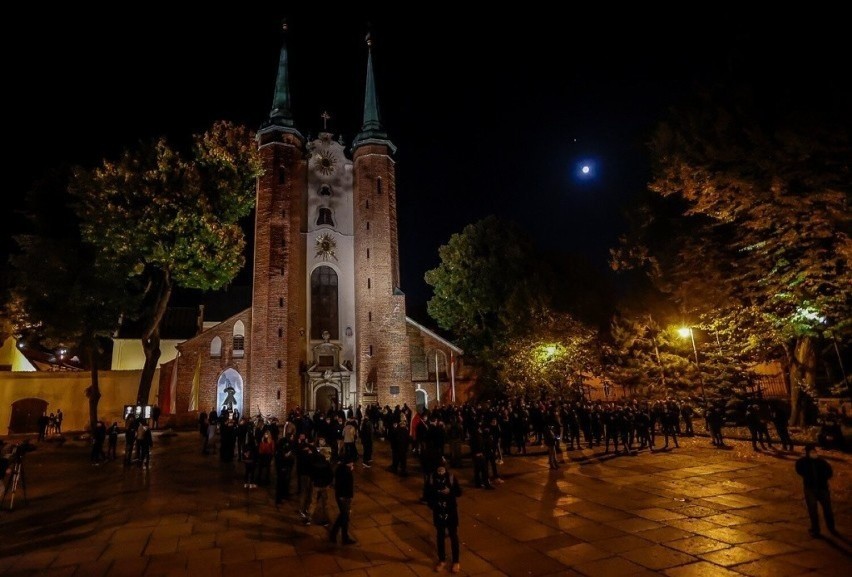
372, 130
281, 114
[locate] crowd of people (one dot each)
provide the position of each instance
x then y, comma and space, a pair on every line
311, 454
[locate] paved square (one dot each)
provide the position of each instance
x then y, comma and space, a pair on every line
693, 511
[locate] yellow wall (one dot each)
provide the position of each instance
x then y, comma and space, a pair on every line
10, 355
67, 391
128, 355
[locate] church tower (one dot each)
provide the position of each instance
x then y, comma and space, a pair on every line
279, 291
384, 373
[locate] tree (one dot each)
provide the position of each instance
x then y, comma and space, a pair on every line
766, 192
488, 286
554, 356
64, 296
175, 219
494, 291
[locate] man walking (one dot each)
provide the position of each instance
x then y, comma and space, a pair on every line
344, 491
815, 473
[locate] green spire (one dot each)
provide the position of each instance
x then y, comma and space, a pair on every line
371, 128
280, 114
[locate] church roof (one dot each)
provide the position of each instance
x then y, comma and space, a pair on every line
372, 130
281, 117
434, 335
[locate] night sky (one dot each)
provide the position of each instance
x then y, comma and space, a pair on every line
492, 112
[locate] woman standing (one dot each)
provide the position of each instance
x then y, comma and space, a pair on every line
266, 450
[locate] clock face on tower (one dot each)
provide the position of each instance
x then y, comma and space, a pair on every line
326, 247
324, 161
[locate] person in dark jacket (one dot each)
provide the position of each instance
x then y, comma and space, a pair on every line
250, 456
815, 473
401, 439
443, 489
98, 438
145, 441
321, 477
344, 491
285, 458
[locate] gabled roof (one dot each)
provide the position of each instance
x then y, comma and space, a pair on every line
232, 318
434, 335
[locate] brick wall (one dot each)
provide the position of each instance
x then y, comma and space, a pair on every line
198, 348
382, 340
278, 299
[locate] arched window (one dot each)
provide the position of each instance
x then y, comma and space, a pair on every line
324, 216
378, 186
239, 340
216, 347
324, 303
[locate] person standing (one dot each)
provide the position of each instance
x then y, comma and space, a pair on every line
112, 440
443, 489
146, 441
130, 429
266, 451
780, 418
250, 456
366, 435
43, 422
285, 458
815, 472
322, 476
58, 421
155, 416
98, 438
350, 435
401, 439
304, 456
344, 491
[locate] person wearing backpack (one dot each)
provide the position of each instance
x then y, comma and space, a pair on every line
443, 489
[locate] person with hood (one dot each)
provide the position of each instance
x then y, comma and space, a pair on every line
443, 490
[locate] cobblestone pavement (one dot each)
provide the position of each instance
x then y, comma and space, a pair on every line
692, 511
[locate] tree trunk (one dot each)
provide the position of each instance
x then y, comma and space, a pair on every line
94, 391
151, 337
151, 346
802, 371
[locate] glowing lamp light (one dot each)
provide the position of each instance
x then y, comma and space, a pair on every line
585, 169
684, 332
550, 350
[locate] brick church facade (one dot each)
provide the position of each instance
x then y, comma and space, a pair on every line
327, 327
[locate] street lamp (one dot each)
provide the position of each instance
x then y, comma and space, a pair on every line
687, 332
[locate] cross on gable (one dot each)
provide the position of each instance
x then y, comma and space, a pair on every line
325, 118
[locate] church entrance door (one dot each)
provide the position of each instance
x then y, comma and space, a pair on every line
326, 397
